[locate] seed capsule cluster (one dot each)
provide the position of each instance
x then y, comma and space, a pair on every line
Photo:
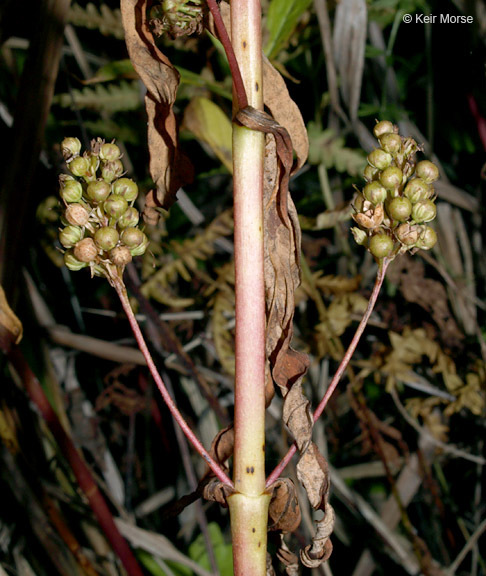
100, 222
397, 203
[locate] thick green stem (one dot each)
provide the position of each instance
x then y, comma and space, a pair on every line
249, 506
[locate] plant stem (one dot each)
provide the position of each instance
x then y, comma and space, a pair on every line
122, 294
66, 446
249, 505
380, 276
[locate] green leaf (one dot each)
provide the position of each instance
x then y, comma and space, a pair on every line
211, 125
191, 78
114, 71
222, 551
111, 98
282, 18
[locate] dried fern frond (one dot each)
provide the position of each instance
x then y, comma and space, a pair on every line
109, 98
106, 20
185, 256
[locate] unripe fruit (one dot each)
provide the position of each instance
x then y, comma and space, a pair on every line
79, 166
115, 205
85, 250
70, 147
72, 263
360, 236
399, 208
71, 191
407, 234
383, 127
370, 173
129, 218
427, 239
391, 143
424, 211
120, 256
379, 159
132, 237
106, 238
416, 190
70, 235
110, 152
381, 246
77, 215
127, 188
374, 192
140, 249
98, 191
391, 177
112, 170
427, 170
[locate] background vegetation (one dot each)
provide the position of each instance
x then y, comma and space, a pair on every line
404, 434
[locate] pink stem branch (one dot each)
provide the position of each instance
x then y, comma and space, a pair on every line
380, 276
215, 467
239, 86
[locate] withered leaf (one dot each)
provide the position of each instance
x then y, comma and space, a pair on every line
284, 510
8, 319
169, 168
312, 471
218, 492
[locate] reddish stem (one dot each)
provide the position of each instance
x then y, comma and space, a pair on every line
380, 276
224, 38
218, 471
79, 468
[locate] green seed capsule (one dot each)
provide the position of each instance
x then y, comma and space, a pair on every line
70, 148
391, 143
383, 127
370, 173
86, 250
71, 191
79, 166
115, 205
70, 236
379, 159
427, 170
424, 211
132, 237
381, 246
399, 208
72, 263
374, 192
98, 191
129, 218
391, 177
127, 188
106, 238
417, 190
110, 152
360, 236
427, 238
140, 249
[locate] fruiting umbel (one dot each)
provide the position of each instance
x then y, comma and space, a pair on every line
100, 220
397, 202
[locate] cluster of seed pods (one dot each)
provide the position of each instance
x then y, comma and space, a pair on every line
99, 217
396, 205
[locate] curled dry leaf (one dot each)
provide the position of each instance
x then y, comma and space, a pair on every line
8, 319
288, 559
169, 168
284, 510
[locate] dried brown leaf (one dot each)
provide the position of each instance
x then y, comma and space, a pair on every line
8, 318
169, 168
312, 472
284, 510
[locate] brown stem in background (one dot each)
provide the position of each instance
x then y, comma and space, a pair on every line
27, 134
380, 276
83, 475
